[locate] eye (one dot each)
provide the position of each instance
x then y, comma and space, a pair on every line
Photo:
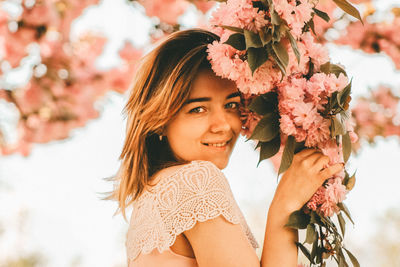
232, 105
197, 110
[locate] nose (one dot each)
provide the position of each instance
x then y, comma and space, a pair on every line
219, 121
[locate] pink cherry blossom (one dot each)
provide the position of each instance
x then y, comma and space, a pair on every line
15, 45
319, 132
316, 52
203, 5
239, 13
333, 151
166, 10
304, 115
227, 62
296, 13
42, 13
375, 115
287, 125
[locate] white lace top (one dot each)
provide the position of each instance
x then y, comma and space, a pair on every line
198, 191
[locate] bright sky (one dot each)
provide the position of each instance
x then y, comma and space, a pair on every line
53, 196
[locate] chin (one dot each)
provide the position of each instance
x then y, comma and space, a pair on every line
220, 163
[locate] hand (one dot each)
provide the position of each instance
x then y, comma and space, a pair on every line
302, 180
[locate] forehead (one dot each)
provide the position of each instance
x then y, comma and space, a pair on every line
207, 84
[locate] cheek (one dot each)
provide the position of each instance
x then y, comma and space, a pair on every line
236, 123
182, 131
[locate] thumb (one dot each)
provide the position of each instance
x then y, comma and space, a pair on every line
331, 170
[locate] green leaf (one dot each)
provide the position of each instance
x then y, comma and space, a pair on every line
281, 53
345, 114
267, 128
353, 259
265, 36
328, 223
314, 217
237, 41
342, 260
346, 178
260, 106
293, 43
298, 220
348, 8
258, 144
288, 154
333, 101
271, 98
351, 182
311, 234
344, 208
315, 249
261, 5
311, 25
299, 146
269, 149
275, 18
346, 145
231, 28
280, 65
252, 39
337, 127
276, 33
336, 69
322, 14
342, 223
328, 68
256, 57
305, 251
343, 95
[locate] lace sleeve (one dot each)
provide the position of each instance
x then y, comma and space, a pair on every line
197, 192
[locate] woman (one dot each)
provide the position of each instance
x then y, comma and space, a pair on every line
182, 124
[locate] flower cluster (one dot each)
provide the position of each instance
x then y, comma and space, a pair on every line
303, 93
375, 38
65, 85
327, 197
229, 62
372, 36
293, 96
295, 13
301, 103
168, 11
377, 115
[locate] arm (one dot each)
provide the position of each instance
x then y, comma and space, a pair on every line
218, 242
279, 242
296, 187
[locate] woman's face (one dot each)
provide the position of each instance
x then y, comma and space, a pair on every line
208, 125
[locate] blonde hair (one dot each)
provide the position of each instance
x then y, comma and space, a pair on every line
161, 86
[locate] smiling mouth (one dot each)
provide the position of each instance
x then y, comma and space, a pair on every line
219, 144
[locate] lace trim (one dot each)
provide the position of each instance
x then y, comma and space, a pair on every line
197, 192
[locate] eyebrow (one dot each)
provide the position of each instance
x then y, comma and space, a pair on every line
205, 99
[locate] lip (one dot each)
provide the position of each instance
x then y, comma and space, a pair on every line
218, 148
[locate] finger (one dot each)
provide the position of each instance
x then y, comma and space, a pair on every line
321, 162
331, 170
311, 159
306, 152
